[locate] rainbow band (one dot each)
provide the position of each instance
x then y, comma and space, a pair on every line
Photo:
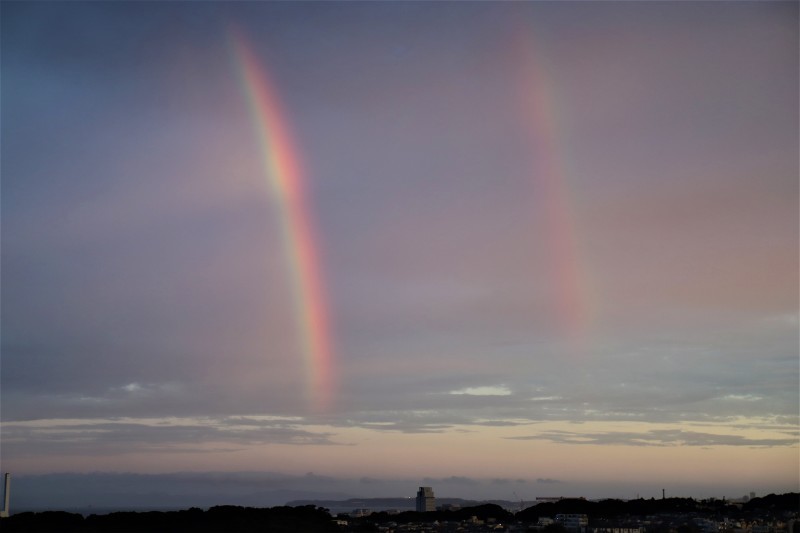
284, 172
571, 304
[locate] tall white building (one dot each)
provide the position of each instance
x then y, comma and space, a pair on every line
425, 500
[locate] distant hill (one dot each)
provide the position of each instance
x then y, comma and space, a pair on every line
776, 502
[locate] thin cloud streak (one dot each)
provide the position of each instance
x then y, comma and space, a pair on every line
656, 437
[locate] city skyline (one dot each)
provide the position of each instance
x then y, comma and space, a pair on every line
553, 244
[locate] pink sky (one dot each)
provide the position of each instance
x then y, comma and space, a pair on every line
556, 241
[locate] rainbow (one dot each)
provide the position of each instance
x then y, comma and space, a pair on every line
571, 295
284, 172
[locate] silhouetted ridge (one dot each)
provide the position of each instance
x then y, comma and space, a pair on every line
775, 502
315, 519
642, 507
222, 518
482, 512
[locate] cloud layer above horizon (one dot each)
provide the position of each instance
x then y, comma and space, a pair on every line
542, 228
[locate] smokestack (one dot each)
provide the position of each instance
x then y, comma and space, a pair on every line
4, 512
663, 494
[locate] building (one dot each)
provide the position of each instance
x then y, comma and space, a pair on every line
426, 502
449, 507
573, 522
7, 494
624, 529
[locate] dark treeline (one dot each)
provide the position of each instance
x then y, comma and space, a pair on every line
610, 509
482, 512
313, 519
223, 518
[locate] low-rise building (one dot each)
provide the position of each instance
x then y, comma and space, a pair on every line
573, 522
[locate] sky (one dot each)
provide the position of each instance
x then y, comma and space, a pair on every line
536, 248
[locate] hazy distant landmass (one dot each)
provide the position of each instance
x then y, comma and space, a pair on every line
398, 504
607, 508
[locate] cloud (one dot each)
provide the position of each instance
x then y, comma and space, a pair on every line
786, 320
167, 435
402, 425
452, 480
656, 437
500, 423
485, 390
743, 397
546, 398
